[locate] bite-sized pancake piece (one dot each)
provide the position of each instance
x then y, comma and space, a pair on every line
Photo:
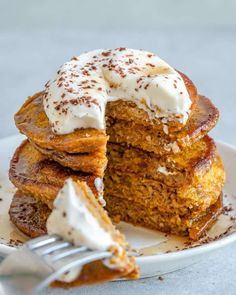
203, 119
174, 170
94, 163
32, 173
194, 197
83, 222
32, 121
184, 225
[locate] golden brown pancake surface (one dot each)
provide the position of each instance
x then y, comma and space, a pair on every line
29, 215
94, 163
160, 141
32, 172
32, 121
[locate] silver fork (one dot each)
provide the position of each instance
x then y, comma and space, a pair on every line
41, 261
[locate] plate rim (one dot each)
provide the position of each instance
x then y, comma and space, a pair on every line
185, 253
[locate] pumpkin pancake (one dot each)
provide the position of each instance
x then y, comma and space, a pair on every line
30, 216
32, 121
174, 170
194, 198
194, 228
94, 163
32, 172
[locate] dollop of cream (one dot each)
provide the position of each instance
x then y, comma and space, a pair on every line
78, 94
72, 220
164, 170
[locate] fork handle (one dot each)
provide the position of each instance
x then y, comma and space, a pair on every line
7, 287
16, 285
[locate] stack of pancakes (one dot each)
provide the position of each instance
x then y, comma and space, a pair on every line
157, 174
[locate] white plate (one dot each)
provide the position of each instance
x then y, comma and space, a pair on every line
160, 253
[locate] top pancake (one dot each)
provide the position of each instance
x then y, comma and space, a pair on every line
32, 121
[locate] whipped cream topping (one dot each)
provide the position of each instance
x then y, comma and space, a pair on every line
78, 94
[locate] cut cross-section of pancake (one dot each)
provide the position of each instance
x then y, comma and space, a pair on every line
160, 141
169, 222
152, 203
79, 218
174, 170
33, 173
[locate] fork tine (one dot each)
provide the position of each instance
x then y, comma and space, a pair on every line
42, 241
67, 252
83, 258
58, 245
133, 253
76, 250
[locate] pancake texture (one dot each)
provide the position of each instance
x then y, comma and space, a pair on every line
33, 173
148, 202
174, 170
163, 141
94, 163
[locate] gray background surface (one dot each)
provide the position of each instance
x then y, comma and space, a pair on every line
197, 37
